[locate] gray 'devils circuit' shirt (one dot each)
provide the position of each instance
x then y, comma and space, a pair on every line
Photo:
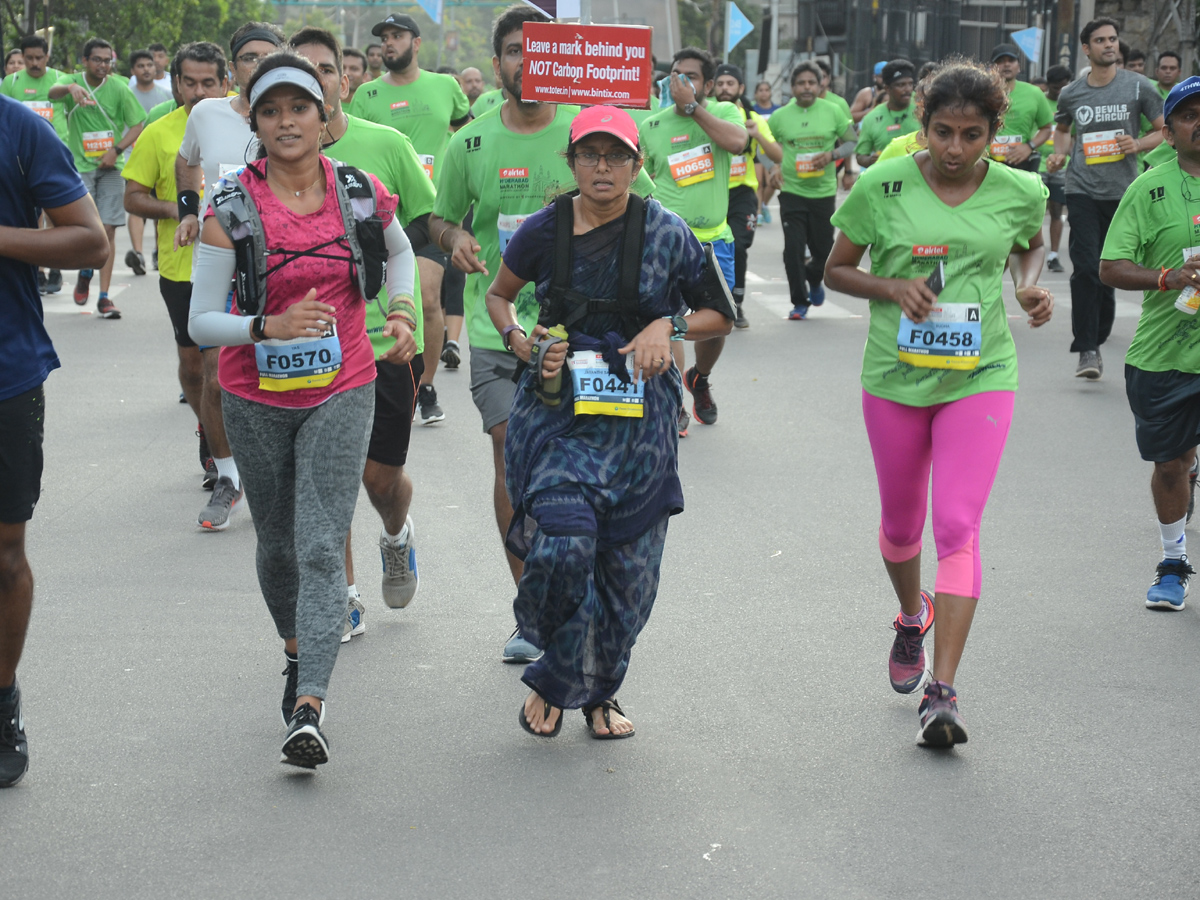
1098, 168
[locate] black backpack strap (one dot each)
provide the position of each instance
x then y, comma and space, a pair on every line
632, 245
564, 229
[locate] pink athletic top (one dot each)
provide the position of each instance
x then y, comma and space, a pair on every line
238, 370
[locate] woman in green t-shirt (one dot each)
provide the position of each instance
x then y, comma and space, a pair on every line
939, 372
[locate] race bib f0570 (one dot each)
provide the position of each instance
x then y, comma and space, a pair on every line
298, 363
692, 166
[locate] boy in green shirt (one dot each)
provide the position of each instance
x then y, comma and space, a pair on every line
689, 148
427, 107
1153, 246
103, 121
897, 116
813, 133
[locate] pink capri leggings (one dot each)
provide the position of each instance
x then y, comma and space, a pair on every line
962, 441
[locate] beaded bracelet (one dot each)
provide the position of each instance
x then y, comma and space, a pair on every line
1162, 278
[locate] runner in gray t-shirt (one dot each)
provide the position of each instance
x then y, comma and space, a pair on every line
1104, 111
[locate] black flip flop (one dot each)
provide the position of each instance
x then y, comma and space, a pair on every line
606, 705
545, 715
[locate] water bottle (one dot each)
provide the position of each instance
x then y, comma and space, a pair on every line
551, 386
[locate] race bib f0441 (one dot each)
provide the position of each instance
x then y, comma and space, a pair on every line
600, 393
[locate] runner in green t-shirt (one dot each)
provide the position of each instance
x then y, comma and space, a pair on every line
939, 369
508, 164
1153, 246
198, 73
388, 155
1166, 73
689, 147
813, 133
103, 121
1057, 78
742, 215
847, 171
888, 120
486, 102
1029, 119
32, 84
428, 107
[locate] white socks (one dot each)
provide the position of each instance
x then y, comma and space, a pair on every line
1051, 255
1174, 542
351, 592
227, 468
397, 540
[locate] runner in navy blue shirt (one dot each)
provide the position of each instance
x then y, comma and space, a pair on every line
36, 173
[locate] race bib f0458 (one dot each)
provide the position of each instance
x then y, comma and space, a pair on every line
949, 338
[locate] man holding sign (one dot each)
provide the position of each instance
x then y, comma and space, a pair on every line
689, 148
813, 133
103, 121
1105, 110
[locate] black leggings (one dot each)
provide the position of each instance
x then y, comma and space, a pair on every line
743, 217
807, 224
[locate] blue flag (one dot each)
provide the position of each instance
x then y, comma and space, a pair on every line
1030, 42
738, 26
433, 8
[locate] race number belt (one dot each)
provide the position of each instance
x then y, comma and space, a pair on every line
1102, 147
949, 338
1002, 143
97, 143
806, 168
43, 108
426, 164
306, 362
692, 166
600, 393
507, 225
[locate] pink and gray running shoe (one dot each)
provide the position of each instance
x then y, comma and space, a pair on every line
908, 666
941, 725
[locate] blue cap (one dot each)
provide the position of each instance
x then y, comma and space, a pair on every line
1181, 91
879, 67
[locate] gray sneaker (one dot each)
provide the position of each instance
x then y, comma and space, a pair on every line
225, 498
740, 320
1091, 366
399, 568
355, 619
518, 650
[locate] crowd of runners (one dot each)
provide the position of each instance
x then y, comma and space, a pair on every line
330, 226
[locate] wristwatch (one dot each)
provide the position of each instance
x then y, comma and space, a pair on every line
258, 327
689, 108
679, 327
506, 332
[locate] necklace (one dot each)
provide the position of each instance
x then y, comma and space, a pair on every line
329, 134
289, 190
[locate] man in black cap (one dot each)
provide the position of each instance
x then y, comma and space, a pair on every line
425, 106
730, 86
891, 119
1027, 123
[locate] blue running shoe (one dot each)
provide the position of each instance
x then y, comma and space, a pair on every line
816, 295
798, 313
519, 650
1170, 584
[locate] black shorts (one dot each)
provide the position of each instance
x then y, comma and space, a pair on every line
1058, 192
1166, 412
434, 252
178, 297
395, 403
743, 215
22, 427
454, 282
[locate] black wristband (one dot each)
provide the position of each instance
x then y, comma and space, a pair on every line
189, 204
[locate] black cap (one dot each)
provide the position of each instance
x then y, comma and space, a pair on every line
398, 20
1003, 50
730, 69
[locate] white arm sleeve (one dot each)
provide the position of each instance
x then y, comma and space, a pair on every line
402, 262
208, 323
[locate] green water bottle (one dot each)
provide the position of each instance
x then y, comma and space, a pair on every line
551, 386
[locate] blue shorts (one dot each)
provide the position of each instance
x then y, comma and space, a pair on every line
723, 251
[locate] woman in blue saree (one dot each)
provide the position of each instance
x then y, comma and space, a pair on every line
592, 466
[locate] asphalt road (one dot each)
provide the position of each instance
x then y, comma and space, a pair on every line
772, 759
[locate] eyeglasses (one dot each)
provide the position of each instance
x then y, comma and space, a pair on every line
100, 60
250, 59
617, 160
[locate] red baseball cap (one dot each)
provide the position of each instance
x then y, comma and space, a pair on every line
605, 120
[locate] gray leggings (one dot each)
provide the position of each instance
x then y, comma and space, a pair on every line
301, 469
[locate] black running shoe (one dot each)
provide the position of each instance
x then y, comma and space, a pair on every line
41, 278
451, 355
14, 749
305, 746
54, 281
1054, 265
704, 407
136, 261
288, 706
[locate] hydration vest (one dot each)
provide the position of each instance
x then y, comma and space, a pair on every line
565, 306
362, 239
